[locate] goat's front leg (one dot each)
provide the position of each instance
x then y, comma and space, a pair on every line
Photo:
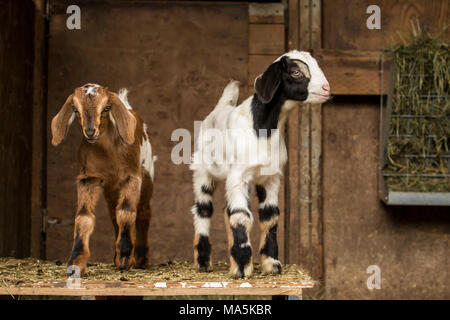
111, 197
268, 221
88, 192
238, 220
202, 212
129, 195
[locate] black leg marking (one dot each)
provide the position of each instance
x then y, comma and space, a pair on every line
261, 193
237, 210
204, 252
125, 247
141, 254
269, 211
240, 251
204, 210
207, 189
270, 248
77, 248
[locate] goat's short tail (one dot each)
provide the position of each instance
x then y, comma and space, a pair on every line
123, 96
230, 94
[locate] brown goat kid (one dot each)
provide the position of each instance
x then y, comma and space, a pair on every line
115, 156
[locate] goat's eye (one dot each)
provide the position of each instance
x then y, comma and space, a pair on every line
296, 73
74, 109
107, 109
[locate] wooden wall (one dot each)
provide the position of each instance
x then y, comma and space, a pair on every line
16, 98
409, 244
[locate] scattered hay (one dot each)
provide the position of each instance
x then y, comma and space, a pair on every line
418, 156
16, 271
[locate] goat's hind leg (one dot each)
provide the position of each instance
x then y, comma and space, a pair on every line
238, 220
268, 221
202, 212
144, 214
126, 219
88, 192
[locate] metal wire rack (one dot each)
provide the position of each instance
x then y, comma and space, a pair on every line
401, 185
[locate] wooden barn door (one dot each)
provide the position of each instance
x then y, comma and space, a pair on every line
16, 109
175, 58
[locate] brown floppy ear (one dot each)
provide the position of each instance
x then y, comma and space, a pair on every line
124, 119
62, 121
267, 84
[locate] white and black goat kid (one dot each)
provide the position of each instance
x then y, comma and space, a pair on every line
293, 78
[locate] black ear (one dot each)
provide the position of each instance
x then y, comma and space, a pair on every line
267, 84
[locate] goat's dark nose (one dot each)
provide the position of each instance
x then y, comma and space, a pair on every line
89, 132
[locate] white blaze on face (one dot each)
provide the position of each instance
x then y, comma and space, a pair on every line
318, 79
90, 89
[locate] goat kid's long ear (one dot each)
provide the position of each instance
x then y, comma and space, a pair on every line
124, 119
267, 84
62, 121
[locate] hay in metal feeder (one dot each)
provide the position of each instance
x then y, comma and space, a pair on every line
415, 127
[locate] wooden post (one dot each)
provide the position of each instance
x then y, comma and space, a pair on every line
292, 238
304, 176
39, 130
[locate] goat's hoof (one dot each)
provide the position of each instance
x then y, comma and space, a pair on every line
141, 256
141, 263
125, 263
203, 268
271, 266
238, 274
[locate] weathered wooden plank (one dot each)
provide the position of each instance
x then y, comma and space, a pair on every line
151, 292
344, 23
316, 24
38, 128
305, 187
316, 236
266, 13
304, 25
309, 249
304, 178
291, 241
352, 72
266, 39
293, 182
16, 107
157, 289
293, 28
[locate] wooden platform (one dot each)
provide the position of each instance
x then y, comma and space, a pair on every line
38, 277
157, 289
